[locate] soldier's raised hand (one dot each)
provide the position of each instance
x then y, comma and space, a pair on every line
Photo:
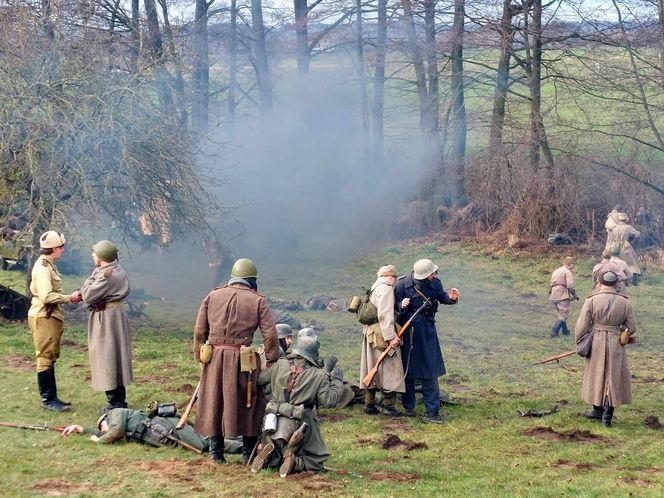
453, 293
331, 363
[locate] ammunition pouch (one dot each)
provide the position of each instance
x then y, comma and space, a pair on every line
162, 409
624, 337
248, 358
158, 433
138, 433
375, 337
205, 355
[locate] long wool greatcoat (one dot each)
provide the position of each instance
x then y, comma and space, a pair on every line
390, 376
607, 370
229, 315
622, 232
425, 359
109, 344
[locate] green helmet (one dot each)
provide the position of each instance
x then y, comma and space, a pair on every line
284, 330
307, 348
244, 268
105, 250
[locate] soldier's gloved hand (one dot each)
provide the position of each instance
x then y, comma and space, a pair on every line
331, 363
338, 374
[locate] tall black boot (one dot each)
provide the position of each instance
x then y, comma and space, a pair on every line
216, 449
595, 414
46, 384
117, 398
55, 388
607, 415
248, 443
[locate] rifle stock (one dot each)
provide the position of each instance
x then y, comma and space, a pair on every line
190, 406
555, 358
372, 373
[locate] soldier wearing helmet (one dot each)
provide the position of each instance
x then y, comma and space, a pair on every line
45, 317
229, 401
422, 357
109, 343
285, 335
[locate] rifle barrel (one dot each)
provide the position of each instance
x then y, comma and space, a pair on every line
555, 358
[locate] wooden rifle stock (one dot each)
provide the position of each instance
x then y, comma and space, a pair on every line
555, 358
372, 373
190, 406
187, 446
33, 427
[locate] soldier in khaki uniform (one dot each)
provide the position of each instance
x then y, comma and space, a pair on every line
561, 292
45, 317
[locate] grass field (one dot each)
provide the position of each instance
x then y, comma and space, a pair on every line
489, 340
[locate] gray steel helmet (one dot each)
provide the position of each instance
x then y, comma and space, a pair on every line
244, 268
106, 250
307, 332
284, 330
423, 268
307, 348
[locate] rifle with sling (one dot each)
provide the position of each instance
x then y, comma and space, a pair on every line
190, 406
555, 358
372, 373
33, 427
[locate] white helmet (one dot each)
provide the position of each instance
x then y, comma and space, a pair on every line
423, 268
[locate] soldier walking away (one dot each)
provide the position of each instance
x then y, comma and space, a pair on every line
124, 424
606, 378
623, 235
229, 402
561, 292
611, 222
377, 337
45, 316
109, 343
421, 354
292, 438
616, 265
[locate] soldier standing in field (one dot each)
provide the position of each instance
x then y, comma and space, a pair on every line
376, 338
623, 235
45, 317
109, 343
561, 292
229, 402
610, 224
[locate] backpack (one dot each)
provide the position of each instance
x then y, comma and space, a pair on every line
367, 314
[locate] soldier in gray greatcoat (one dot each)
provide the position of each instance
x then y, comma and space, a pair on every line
109, 344
606, 378
623, 235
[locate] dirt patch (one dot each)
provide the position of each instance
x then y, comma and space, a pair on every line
20, 361
183, 471
397, 425
644, 483
333, 417
78, 365
168, 366
315, 483
60, 487
73, 345
566, 464
154, 379
652, 422
184, 388
394, 476
565, 436
392, 441
363, 441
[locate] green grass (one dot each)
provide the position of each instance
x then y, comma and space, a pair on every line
489, 340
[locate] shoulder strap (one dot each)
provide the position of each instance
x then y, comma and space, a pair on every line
292, 378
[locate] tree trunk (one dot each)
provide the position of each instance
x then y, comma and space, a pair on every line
378, 101
232, 66
156, 46
135, 46
301, 10
178, 80
660, 15
459, 131
47, 19
433, 120
362, 82
262, 72
200, 78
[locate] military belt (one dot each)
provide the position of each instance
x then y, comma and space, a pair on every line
226, 346
606, 328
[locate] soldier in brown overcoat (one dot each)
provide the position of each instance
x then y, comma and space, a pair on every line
228, 318
606, 379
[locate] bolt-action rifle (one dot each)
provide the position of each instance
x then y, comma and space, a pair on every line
555, 358
190, 406
33, 427
372, 373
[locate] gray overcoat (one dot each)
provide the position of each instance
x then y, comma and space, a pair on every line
622, 233
607, 370
109, 344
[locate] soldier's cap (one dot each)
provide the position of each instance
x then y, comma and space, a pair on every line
608, 278
51, 240
284, 330
387, 271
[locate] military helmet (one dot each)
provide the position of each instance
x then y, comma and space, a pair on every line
307, 332
51, 240
244, 268
608, 278
105, 250
307, 348
284, 330
423, 268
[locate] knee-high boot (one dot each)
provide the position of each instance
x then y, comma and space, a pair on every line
248, 444
216, 449
46, 383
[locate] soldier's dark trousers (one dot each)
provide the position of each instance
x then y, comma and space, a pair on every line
117, 398
430, 393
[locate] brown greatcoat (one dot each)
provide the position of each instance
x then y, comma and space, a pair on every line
607, 369
229, 317
109, 343
390, 375
622, 232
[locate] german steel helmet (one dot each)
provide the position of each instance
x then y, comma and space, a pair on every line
307, 332
284, 330
51, 239
106, 250
244, 268
423, 268
307, 348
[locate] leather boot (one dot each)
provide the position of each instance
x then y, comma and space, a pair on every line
117, 398
216, 449
595, 414
564, 329
607, 415
47, 392
55, 387
556, 328
387, 406
370, 402
248, 444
